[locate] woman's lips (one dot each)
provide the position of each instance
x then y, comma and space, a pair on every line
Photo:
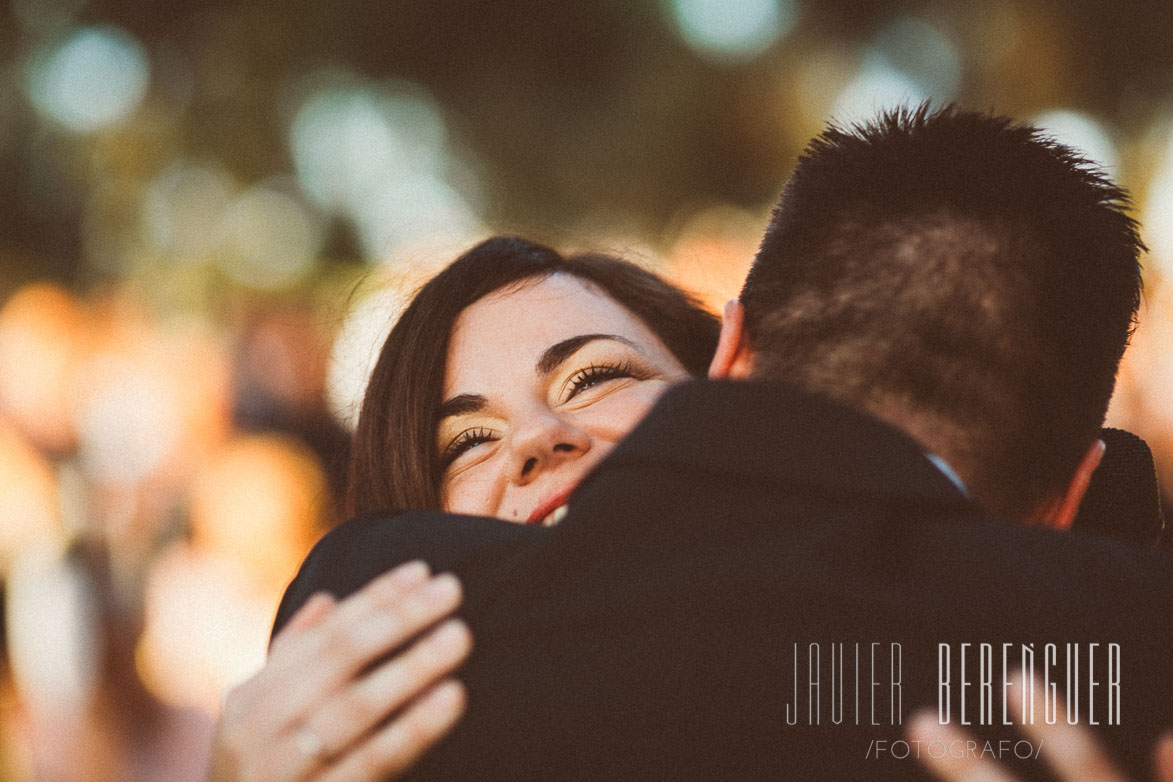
553, 506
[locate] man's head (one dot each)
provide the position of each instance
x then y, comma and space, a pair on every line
959, 276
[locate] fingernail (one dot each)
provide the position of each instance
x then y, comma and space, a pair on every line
442, 589
451, 635
448, 693
445, 702
410, 574
922, 723
317, 601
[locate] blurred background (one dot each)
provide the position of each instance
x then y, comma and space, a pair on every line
211, 212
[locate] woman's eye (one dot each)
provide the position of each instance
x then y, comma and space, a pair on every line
465, 441
595, 374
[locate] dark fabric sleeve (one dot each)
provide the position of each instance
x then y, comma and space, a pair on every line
477, 550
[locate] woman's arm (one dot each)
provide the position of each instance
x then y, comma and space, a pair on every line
318, 712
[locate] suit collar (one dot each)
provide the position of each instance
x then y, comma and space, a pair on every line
786, 437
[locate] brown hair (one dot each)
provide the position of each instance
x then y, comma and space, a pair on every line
393, 461
962, 276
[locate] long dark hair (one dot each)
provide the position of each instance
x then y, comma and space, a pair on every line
393, 461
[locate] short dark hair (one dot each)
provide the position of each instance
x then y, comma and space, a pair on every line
393, 461
960, 275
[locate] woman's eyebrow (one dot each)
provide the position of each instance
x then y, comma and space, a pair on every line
560, 351
461, 404
550, 359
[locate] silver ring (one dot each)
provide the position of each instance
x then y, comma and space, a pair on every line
310, 744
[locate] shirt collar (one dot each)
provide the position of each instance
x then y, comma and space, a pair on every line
948, 471
785, 436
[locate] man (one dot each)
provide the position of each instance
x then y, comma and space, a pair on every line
768, 576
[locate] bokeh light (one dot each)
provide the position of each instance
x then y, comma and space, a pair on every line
876, 87
183, 210
377, 156
92, 78
923, 53
414, 213
712, 253
53, 642
731, 31
908, 62
278, 485
1157, 214
255, 510
151, 401
28, 499
356, 349
1156, 354
343, 146
128, 424
42, 331
206, 629
1084, 134
269, 239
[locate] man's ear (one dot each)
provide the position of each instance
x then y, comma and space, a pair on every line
734, 358
1060, 513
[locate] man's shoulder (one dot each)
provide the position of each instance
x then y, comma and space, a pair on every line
1049, 578
350, 555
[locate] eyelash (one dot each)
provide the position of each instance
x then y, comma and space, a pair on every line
596, 373
469, 438
581, 380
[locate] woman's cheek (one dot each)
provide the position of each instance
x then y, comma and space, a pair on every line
618, 414
470, 493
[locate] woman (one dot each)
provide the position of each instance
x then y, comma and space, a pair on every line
512, 373
498, 303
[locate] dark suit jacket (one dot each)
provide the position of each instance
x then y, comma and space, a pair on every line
658, 632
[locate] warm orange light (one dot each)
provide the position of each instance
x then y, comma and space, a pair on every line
28, 498
713, 254
151, 398
41, 332
255, 509
260, 502
205, 628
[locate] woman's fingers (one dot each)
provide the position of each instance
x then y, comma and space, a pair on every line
315, 664
395, 747
376, 597
338, 727
1070, 750
1163, 758
359, 631
314, 611
952, 766
390, 686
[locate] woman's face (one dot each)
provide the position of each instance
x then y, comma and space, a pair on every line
541, 382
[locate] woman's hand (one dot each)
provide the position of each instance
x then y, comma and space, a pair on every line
318, 712
1073, 752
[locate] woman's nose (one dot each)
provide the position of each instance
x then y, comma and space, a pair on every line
544, 442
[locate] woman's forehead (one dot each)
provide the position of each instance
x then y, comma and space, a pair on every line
507, 330
572, 297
